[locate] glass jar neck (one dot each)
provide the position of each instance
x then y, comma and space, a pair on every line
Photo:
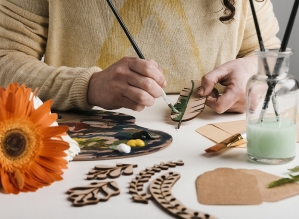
273, 62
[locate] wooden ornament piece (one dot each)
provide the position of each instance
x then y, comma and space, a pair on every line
189, 104
90, 194
104, 171
136, 185
160, 189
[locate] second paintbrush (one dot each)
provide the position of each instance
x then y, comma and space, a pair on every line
140, 55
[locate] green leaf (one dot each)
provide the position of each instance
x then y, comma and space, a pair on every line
295, 178
189, 104
295, 169
280, 182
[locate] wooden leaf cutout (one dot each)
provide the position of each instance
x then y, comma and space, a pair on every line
104, 171
128, 170
136, 185
115, 173
189, 104
160, 189
91, 194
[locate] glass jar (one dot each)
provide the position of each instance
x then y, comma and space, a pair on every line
271, 109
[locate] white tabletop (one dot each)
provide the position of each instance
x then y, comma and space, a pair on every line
51, 201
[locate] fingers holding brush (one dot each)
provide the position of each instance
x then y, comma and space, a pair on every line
131, 83
148, 69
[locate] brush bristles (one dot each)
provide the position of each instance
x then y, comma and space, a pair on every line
173, 109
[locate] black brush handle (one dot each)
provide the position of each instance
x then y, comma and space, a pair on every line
125, 30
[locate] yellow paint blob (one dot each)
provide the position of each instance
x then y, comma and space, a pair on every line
136, 143
140, 143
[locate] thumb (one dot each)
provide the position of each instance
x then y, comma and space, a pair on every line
208, 83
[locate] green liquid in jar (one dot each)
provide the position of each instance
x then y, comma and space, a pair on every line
272, 139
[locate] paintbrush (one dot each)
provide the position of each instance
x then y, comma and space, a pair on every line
140, 55
232, 141
270, 91
266, 66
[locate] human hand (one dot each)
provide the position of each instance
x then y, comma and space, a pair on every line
131, 83
234, 76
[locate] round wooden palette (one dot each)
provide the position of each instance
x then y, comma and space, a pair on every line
96, 130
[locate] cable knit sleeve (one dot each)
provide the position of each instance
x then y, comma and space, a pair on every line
268, 26
23, 39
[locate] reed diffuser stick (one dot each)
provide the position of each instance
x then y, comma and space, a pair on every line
257, 27
266, 66
289, 28
279, 61
140, 55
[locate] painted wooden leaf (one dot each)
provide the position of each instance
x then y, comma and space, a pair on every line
189, 104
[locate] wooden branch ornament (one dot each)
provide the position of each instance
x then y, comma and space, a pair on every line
90, 194
160, 189
189, 103
136, 185
104, 171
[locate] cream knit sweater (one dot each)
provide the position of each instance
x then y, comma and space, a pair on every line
78, 38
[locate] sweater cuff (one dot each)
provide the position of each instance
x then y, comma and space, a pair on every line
78, 92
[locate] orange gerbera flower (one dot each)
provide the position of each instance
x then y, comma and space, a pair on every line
31, 151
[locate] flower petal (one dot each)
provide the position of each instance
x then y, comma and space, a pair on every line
41, 116
55, 144
48, 132
40, 174
6, 183
19, 178
50, 166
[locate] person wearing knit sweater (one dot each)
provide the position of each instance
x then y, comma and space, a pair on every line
76, 53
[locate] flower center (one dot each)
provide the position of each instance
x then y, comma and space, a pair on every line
14, 143
20, 144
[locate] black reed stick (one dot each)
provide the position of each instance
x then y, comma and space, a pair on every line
279, 61
137, 50
257, 28
286, 36
288, 31
266, 66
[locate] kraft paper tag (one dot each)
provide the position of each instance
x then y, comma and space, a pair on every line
276, 193
217, 132
226, 186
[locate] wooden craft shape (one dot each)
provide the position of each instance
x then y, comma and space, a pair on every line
160, 189
104, 171
189, 104
136, 185
91, 194
97, 130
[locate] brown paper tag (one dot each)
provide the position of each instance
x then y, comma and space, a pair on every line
225, 186
276, 193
